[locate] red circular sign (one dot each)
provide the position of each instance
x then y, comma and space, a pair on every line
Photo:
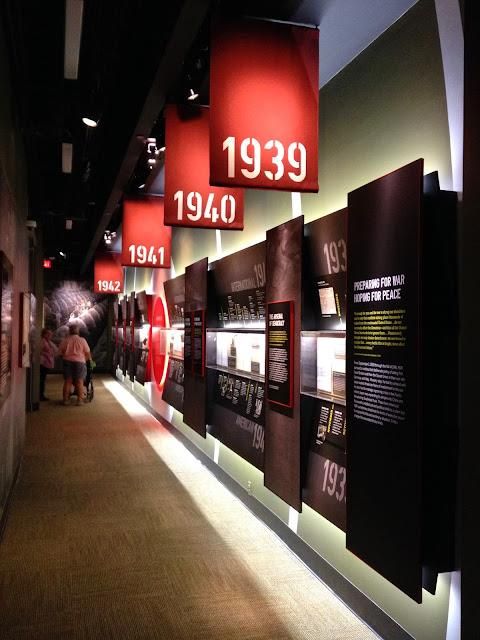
159, 355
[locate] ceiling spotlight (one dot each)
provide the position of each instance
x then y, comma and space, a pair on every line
141, 186
108, 236
64, 255
89, 122
193, 95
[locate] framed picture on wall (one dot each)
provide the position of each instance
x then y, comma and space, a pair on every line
25, 346
6, 306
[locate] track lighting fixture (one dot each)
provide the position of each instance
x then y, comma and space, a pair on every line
108, 236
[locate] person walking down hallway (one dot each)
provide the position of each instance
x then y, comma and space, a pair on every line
75, 353
48, 351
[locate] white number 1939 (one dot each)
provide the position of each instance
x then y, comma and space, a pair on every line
251, 154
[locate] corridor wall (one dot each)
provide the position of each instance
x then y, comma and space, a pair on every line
14, 245
385, 109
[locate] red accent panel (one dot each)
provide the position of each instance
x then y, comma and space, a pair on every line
146, 241
188, 194
264, 86
159, 357
108, 274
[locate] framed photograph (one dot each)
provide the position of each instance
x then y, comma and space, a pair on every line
6, 306
25, 346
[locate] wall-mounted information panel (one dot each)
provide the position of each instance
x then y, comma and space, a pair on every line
325, 485
124, 351
239, 288
281, 336
282, 423
326, 265
174, 340
143, 337
132, 336
117, 317
236, 353
323, 365
384, 443
195, 394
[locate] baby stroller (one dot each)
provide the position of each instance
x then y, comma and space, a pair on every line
88, 382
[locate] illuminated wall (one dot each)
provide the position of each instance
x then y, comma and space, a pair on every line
385, 109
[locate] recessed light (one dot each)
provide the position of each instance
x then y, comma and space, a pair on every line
193, 95
89, 122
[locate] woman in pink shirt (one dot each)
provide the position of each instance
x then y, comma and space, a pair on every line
48, 351
75, 353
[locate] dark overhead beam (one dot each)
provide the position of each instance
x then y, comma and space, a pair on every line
189, 22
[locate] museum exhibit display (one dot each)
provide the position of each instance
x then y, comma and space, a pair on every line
398, 255
195, 386
173, 337
323, 365
236, 352
143, 337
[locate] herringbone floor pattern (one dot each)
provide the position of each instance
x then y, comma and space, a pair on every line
117, 532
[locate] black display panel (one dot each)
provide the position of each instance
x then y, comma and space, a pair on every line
173, 387
280, 337
142, 363
175, 299
326, 486
283, 435
326, 273
195, 385
188, 341
142, 307
384, 444
198, 346
237, 414
238, 283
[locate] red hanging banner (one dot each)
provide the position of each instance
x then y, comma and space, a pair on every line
264, 105
146, 241
108, 274
190, 201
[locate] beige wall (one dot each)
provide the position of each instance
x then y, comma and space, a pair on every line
14, 243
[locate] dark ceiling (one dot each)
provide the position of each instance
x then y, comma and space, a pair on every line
123, 47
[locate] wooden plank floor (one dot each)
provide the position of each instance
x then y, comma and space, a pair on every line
116, 531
